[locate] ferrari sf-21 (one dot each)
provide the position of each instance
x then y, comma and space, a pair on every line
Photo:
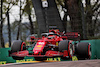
50, 45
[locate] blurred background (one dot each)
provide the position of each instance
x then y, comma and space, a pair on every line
18, 19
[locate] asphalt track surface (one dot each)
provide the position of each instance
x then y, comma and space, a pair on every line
80, 63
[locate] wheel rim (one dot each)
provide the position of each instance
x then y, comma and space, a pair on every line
90, 52
89, 47
71, 50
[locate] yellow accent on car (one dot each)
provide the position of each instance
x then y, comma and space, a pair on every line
56, 43
39, 45
74, 58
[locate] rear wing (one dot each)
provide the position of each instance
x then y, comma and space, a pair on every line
72, 35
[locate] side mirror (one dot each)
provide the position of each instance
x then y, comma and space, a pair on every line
63, 32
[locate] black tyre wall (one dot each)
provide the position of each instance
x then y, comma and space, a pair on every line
17, 58
40, 58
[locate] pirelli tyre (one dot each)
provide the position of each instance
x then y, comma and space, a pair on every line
16, 46
83, 50
66, 45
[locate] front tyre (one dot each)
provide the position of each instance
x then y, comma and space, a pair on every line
66, 45
16, 46
17, 58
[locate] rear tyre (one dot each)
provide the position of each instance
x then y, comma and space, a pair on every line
16, 46
83, 50
66, 45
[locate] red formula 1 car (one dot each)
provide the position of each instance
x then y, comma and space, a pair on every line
52, 44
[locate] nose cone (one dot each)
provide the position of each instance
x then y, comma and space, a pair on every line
36, 52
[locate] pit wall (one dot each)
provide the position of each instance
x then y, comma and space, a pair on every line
95, 49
